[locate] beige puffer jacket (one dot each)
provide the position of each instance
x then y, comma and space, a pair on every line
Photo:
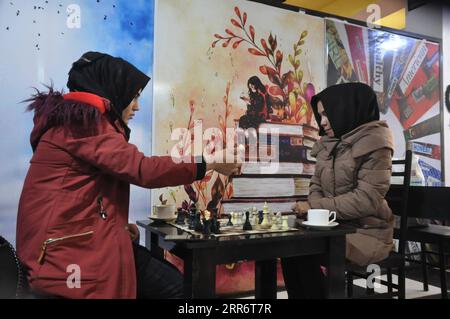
352, 178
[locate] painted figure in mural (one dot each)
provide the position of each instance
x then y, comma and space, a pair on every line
352, 177
73, 234
258, 104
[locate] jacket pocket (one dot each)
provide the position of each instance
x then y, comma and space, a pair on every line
69, 246
51, 241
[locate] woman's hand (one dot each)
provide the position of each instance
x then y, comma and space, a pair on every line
220, 164
226, 169
301, 208
134, 231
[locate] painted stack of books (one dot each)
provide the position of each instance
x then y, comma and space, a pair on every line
277, 170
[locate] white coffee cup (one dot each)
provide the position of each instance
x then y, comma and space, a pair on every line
164, 211
320, 216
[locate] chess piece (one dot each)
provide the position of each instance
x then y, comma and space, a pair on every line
206, 223
192, 218
215, 224
260, 216
230, 216
254, 220
180, 216
285, 224
239, 218
233, 218
198, 223
216, 214
247, 225
277, 224
265, 223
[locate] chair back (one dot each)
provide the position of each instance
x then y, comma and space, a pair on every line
12, 278
398, 201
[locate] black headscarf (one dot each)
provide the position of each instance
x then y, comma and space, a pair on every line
347, 106
112, 78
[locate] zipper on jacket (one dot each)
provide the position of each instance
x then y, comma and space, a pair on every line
55, 240
102, 212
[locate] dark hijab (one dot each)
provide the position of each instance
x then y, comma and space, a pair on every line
112, 78
347, 106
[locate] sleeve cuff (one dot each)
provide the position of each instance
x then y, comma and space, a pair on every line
201, 170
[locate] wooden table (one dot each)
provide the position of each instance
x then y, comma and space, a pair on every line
202, 253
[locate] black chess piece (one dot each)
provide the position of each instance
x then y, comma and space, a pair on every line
192, 218
215, 224
260, 216
217, 228
206, 226
180, 216
247, 225
198, 223
229, 220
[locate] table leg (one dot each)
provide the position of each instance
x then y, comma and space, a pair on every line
200, 274
335, 257
266, 279
442, 270
151, 243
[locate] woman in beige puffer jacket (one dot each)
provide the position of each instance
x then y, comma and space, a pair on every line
352, 177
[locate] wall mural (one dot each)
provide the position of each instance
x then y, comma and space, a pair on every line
207, 56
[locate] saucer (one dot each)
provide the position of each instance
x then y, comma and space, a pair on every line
163, 219
320, 227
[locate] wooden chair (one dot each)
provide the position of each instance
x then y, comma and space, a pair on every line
396, 260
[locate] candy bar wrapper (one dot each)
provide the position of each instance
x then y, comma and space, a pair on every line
433, 176
356, 36
340, 69
400, 60
427, 127
429, 150
419, 87
380, 65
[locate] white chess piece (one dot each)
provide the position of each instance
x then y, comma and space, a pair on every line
265, 222
233, 218
279, 220
285, 224
239, 218
254, 217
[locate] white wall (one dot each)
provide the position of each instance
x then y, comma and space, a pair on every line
426, 20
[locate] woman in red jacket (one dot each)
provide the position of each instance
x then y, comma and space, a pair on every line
73, 234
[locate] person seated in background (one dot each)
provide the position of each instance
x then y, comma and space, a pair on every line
352, 177
73, 234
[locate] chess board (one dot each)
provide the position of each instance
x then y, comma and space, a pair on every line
235, 230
